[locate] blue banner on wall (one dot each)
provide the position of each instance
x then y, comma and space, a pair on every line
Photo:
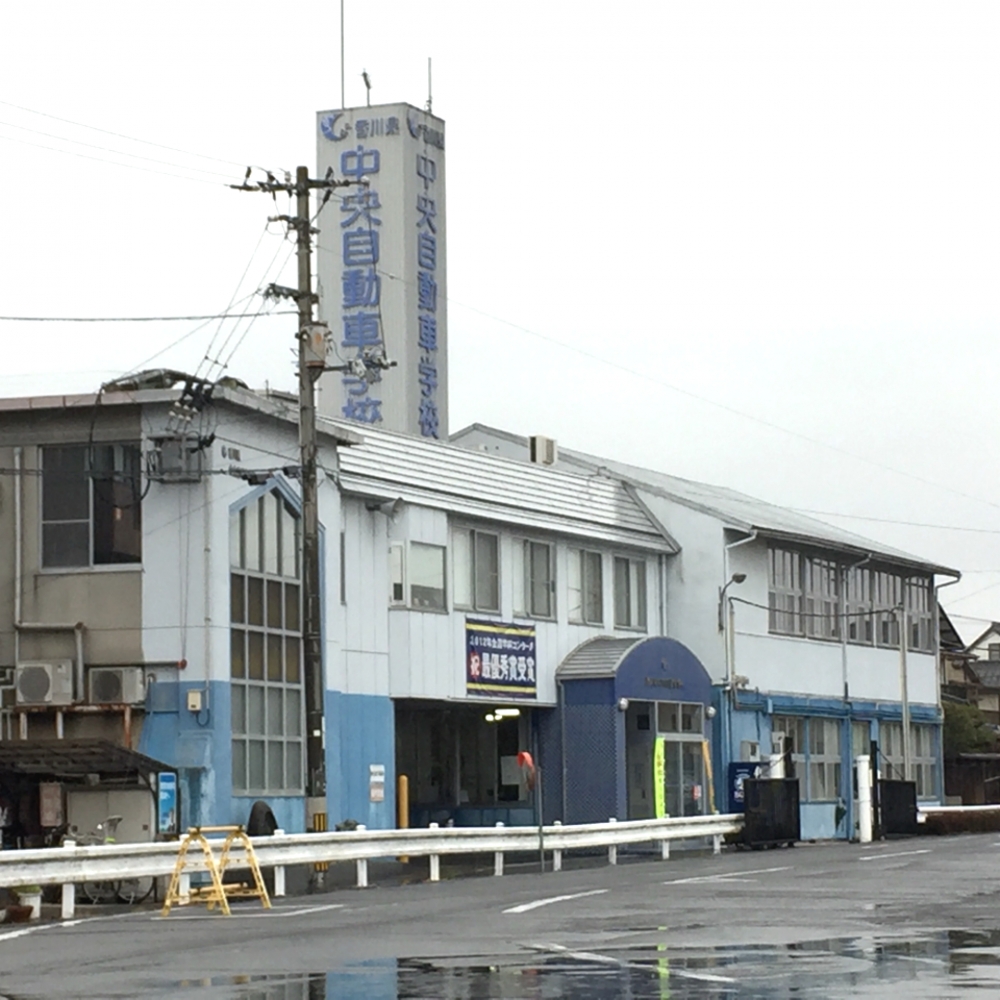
167, 802
500, 659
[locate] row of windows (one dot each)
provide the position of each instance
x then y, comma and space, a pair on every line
816, 597
418, 577
815, 749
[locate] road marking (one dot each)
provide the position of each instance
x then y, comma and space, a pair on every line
895, 854
524, 907
277, 911
590, 956
738, 876
22, 931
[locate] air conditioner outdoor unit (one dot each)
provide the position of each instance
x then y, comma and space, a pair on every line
750, 751
44, 683
116, 686
777, 742
543, 450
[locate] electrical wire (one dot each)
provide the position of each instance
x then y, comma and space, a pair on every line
116, 163
209, 317
117, 152
889, 520
120, 135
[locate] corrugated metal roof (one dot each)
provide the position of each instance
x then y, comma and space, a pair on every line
736, 510
596, 658
456, 479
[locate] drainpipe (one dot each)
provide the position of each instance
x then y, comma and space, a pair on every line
18, 531
730, 641
663, 594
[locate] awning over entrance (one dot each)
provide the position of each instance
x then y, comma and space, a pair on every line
63, 760
653, 668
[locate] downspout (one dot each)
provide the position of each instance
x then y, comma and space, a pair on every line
936, 625
729, 638
18, 530
663, 594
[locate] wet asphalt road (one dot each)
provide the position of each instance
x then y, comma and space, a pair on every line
915, 918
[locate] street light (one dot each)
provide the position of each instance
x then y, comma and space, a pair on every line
735, 578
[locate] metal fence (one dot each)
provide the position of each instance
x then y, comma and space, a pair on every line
73, 864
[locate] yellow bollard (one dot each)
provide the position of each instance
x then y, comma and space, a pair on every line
403, 807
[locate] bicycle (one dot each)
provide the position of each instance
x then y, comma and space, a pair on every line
128, 890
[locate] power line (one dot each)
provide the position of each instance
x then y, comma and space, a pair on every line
134, 319
121, 135
116, 163
889, 520
119, 152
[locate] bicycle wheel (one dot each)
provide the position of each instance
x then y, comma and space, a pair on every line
101, 892
135, 890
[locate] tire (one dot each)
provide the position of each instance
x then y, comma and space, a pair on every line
135, 890
101, 892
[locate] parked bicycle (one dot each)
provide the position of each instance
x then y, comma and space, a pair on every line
125, 890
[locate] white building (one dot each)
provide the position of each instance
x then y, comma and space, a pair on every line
475, 605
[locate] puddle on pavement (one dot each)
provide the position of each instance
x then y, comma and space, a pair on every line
944, 964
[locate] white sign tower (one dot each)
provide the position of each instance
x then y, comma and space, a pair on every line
381, 266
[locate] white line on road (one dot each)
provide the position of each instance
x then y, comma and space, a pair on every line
895, 854
22, 931
738, 876
277, 911
524, 907
590, 956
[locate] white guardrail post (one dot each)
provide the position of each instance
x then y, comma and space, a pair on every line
279, 872
498, 857
362, 866
665, 849
74, 864
435, 875
68, 890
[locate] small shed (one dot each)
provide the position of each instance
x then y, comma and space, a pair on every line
635, 730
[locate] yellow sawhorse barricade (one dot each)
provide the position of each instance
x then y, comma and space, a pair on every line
236, 850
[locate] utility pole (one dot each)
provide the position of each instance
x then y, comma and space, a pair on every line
312, 347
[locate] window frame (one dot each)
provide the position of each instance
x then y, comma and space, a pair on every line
586, 558
637, 611
476, 600
275, 632
524, 598
408, 584
806, 759
91, 479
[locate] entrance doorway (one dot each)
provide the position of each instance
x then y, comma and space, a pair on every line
665, 759
461, 761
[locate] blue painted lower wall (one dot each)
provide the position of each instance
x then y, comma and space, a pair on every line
360, 732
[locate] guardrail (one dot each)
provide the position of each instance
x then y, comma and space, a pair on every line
73, 863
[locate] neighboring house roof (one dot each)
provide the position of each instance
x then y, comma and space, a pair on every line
992, 632
736, 510
423, 471
988, 672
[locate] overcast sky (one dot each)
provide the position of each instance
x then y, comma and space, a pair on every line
752, 244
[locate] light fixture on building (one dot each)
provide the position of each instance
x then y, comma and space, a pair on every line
735, 578
710, 711
623, 704
507, 713
491, 717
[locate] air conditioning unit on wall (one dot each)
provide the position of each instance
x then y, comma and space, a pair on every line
116, 686
44, 683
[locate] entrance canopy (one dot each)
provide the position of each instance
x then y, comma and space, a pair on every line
653, 668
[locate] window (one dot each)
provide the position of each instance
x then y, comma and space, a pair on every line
923, 759
397, 585
630, 593
815, 752
919, 620
426, 576
888, 597
822, 598
91, 505
675, 717
860, 627
476, 556
784, 591
586, 587
534, 579
993, 650
266, 648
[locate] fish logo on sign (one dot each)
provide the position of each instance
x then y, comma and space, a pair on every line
328, 126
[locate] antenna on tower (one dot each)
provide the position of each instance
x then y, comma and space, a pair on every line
368, 86
342, 101
429, 97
